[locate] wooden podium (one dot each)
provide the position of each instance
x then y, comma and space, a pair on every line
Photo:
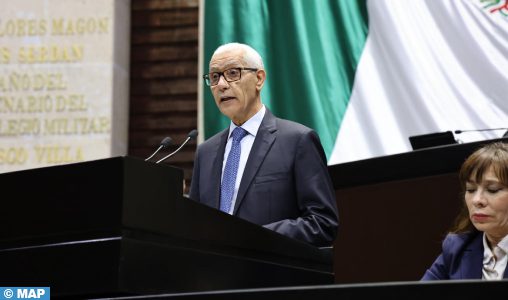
121, 226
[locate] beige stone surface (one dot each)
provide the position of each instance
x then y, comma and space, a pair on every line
64, 67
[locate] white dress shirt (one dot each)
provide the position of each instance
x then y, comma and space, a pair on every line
494, 261
252, 127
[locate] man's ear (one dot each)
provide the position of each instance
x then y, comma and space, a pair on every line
261, 75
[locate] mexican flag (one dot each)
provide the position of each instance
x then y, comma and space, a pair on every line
367, 75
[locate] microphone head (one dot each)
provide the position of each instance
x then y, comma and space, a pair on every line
166, 142
193, 134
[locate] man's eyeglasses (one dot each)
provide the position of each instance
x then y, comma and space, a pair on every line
233, 74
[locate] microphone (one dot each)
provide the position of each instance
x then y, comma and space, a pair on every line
486, 129
164, 144
192, 135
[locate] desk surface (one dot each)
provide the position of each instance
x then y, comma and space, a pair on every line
423, 162
466, 289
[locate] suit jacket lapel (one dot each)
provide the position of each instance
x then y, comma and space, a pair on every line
473, 255
216, 174
262, 144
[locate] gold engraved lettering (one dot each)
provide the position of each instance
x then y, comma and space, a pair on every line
80, 26
9, 29
39, 104
15, 82
50, 54
23, 27
70, 103
43, 103
13, 156
17, 127
57, 154
5, 55
80, 125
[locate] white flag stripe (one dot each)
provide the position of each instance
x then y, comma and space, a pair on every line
428, 66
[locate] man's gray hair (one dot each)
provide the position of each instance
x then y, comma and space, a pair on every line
250, 55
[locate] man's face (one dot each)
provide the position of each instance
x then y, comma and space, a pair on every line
238, 100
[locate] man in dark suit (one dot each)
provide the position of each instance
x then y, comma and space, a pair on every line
263, 169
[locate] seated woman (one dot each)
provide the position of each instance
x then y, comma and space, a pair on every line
477, 245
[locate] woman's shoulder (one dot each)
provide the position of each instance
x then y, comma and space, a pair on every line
454, 242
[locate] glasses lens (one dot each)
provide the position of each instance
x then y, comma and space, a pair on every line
233, 74
214, 78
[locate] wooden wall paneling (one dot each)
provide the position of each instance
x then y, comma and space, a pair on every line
163, 78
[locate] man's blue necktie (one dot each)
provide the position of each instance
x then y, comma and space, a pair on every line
227, 188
